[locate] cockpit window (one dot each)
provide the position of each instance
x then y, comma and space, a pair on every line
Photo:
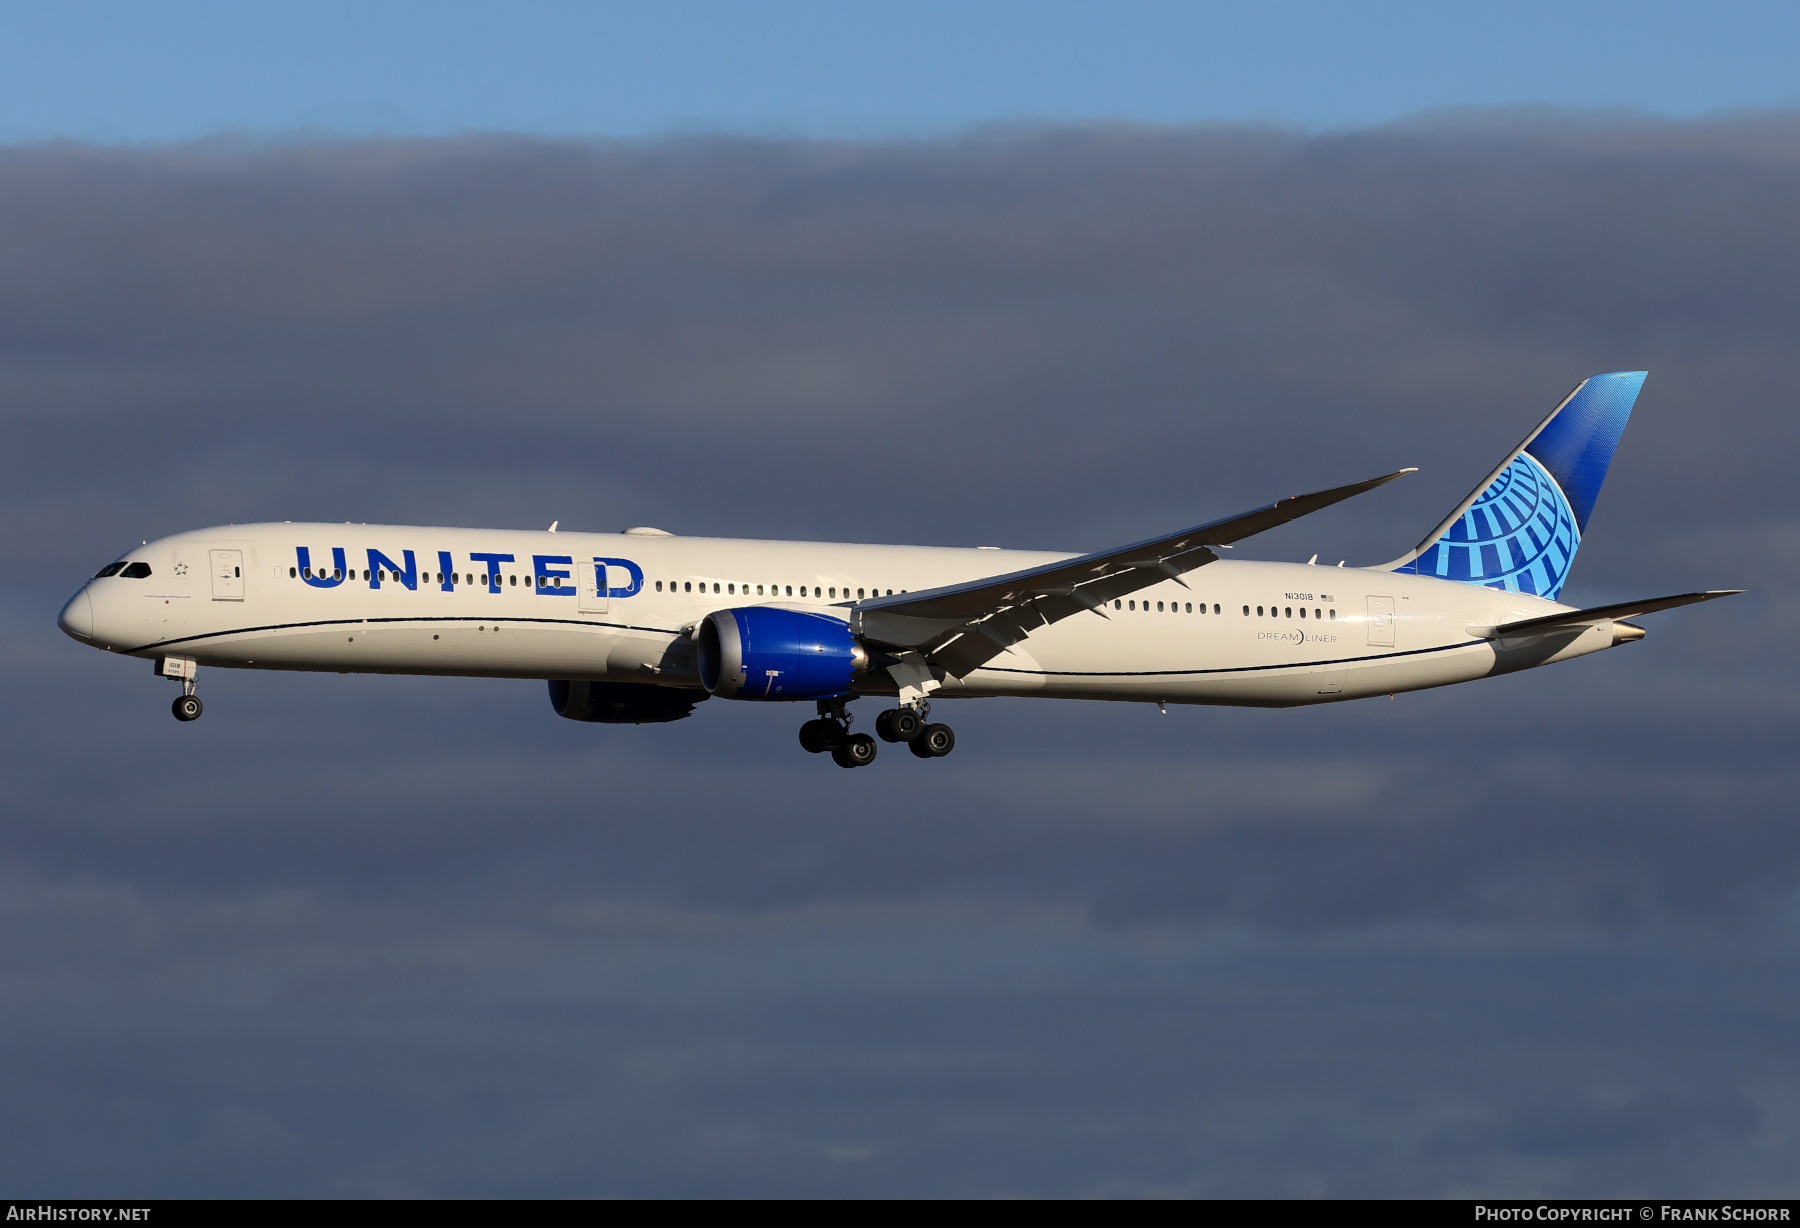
111, 569
136, 571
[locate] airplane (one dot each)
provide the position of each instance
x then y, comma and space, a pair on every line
642, 626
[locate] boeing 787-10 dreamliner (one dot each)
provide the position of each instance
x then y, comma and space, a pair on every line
641, 626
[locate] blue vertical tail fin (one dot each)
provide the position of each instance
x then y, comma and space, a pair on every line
1519, 529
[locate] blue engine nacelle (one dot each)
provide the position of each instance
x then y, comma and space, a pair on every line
762, 652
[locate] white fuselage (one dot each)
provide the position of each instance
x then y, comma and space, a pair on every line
236, 597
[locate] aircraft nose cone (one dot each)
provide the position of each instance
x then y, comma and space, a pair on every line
77, 618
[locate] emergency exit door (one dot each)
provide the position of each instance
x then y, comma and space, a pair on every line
590, 587
227, 574
1381, 622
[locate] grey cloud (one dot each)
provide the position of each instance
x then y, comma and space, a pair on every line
368, 935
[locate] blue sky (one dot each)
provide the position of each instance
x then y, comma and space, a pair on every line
169, 72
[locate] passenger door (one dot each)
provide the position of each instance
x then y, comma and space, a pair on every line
1381, 622
227, 574
590, 587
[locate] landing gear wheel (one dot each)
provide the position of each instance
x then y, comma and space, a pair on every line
857, 750
821, 735
186, 707
818, 735
934, 743
899, 725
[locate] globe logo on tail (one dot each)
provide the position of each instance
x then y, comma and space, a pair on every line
1519, 535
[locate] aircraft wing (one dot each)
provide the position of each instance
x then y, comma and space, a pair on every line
1605, 613
962, 626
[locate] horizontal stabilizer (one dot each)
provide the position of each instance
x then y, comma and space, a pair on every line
1604, 613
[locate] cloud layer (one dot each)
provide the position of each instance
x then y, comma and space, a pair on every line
371, 935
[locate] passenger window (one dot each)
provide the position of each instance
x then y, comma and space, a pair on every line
790, 590
1159, 607
759, 588
336, 574
715, 586
688, 587
1333, 614
859, 594
1246, 611
1259, 611
1132, 604
834, 592
1289, 613
659, 586
1190, 607
292, 574
1302, 611
1215, 607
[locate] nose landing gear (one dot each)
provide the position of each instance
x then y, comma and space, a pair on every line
184, 669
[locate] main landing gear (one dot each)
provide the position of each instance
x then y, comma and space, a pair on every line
831, 732
910, 724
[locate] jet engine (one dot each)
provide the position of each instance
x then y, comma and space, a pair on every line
621, 703
764, 652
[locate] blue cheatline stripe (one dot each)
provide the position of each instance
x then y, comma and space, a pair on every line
356, 622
